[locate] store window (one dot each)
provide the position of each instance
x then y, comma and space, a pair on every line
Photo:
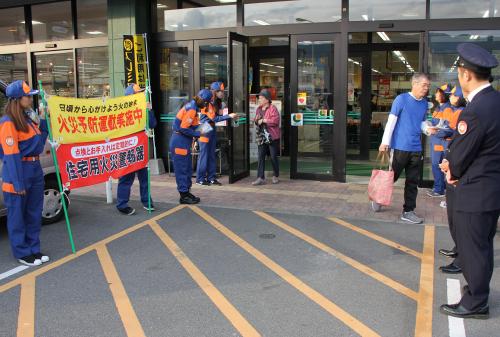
395, 37
190, 15
12, 29
52, 21
374, 10
448, 9
93, 72
12, 67
92, 18
262, 13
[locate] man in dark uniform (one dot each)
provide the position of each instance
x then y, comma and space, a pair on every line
472, 166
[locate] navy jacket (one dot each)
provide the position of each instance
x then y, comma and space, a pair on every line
474, 154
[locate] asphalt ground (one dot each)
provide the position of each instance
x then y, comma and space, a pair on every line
211, 271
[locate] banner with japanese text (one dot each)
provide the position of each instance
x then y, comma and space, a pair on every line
78, 120
94, 163
134, 60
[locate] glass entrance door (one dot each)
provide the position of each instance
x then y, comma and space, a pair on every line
56, 71
239, 161
313, 106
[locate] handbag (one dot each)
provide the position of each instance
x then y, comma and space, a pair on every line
381, 183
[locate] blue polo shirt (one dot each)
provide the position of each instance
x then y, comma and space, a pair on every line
410, 112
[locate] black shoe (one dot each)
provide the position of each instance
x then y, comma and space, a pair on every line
203, 183
215, 182
448, 253
450, 269
189, 200
149, 209
30, 260
127, 210
42, 257
457, 310
194, 197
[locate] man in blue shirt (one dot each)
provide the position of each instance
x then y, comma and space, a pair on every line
402, 135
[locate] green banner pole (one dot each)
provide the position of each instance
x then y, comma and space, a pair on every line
58, 175
147, 151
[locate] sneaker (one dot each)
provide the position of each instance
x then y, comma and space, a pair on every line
203, 183
42, 257
215, 182
276, 180
411, 217
149, 209
376, 207
443, 204
30, 260
433, 194
127, 210
258, 182
188, 199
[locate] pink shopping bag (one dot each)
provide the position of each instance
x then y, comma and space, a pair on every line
381, 185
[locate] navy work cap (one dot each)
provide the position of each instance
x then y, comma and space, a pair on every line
475, 58
205, 95
18, 89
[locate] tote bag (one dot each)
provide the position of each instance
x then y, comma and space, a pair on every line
381, 183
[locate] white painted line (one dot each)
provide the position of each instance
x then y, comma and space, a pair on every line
455, 324
12, 272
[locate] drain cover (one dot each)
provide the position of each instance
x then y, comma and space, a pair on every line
267, 236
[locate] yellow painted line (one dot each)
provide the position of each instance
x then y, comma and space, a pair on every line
346, 259
423, 326
294, 281
227, 309
376, 237
26, 317
58, 263
126, 311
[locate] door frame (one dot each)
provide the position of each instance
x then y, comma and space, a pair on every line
338, 166
232, 36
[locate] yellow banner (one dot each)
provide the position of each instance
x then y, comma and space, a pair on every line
78, 120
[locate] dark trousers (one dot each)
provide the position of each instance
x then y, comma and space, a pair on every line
273, 149
474, 235
409, 162
450, 207
125, 185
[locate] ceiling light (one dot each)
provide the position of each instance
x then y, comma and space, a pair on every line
397, 53
281, 67
12, 30
486, 14
474, 37
365, 17
383, 36
161, 6
34, 22
95, 32
261, 22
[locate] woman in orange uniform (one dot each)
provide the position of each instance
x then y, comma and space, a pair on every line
22, 140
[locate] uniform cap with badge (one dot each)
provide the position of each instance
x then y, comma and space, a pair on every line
18, 89
475, 58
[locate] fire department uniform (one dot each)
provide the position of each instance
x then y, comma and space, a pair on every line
438, 143
22, 171
125, 183
207, 163
184, 132
473, 156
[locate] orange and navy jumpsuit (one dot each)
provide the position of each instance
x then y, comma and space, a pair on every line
207, 160
22, 172
181, 142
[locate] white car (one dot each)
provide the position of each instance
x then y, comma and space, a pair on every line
52, 202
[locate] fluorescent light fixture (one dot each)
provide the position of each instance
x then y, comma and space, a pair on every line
383, 36
474, 37
486, 14
267, 64
176, 25
33, 22
365, 17
226, 1
281, 67
410, 15
161, 6
95, 32
12, 30
261, 22
397, 53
